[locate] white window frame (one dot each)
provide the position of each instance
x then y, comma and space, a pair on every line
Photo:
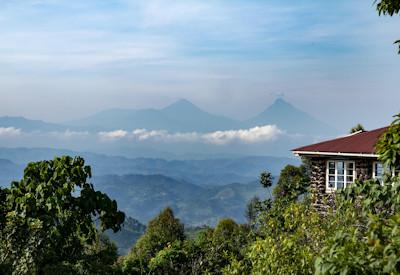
374, 171
346, 162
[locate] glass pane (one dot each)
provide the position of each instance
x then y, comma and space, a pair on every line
340, 178
340, 168
340, 184
332, 178
350, 165
331, 165
349, 179
331, 184
331, 171
350, 172
378, 170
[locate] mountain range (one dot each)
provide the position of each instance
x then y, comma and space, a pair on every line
200, 191
217, 171
29, 125
181, 116
143, 196
205, 183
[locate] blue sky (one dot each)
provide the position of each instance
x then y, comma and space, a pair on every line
61, 60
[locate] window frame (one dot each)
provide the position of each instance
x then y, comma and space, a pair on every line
394, 172
345, 175
374, 171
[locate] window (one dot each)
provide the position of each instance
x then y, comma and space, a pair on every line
340, 174
377, 171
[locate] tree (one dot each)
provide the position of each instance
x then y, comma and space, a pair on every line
388, 146
293, 182
388, 7
228, 242
162, 231
266, 179
252, 210
172, 259
357, 128
49, 217
370, 243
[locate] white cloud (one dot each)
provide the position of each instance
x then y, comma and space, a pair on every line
252, 135
118, 134
143, 134
9, 131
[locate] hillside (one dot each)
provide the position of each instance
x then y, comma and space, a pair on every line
218, 171
130, 232
143, 197
9, 171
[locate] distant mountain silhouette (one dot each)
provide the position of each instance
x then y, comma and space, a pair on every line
182, 116
289, 118
28, 125
9, 171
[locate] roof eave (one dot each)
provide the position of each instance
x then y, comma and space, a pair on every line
309, 153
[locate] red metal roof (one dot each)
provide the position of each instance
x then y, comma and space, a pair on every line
359, 143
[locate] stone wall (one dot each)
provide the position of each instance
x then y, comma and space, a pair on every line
320, 199
323, 200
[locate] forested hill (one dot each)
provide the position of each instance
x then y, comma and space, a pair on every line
143, 197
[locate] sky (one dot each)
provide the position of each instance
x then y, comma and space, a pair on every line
61, 60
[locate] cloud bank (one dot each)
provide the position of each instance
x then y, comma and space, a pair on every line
9, 131
248, 136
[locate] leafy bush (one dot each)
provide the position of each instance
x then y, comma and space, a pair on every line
48, 220
161, 232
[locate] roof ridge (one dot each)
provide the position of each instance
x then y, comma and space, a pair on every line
361, 141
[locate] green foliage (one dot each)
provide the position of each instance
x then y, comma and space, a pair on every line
162, 231
169, 260
388, 146
208, 253
357, 128
287, 248
227, 242
372, 244
388, 7
49, 218
252, 211
266, 179
293, 182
